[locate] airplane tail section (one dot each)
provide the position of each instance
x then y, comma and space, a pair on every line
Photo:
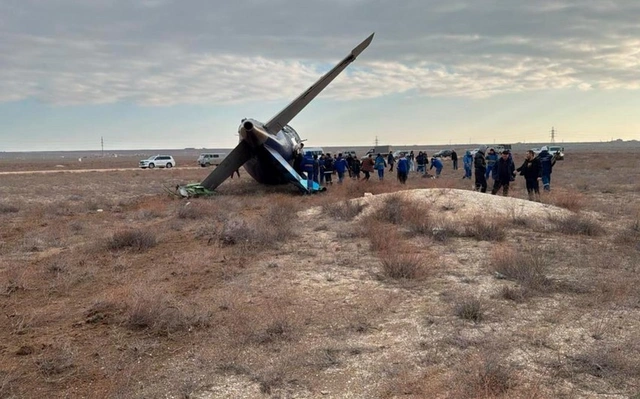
290, 111
236, 158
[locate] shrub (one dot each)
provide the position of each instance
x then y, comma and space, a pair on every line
8, 208
161, 315
137, 240
522, 267
571, 200
391, 210
344, 210
577, 224
469, 309
483, 229
403, 266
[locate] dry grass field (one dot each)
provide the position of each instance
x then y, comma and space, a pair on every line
110, 288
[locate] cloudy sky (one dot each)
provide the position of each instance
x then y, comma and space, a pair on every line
182, 73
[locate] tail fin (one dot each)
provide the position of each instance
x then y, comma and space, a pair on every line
290, 111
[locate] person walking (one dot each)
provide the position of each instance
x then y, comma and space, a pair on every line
532, 173
307, 167
380, 165
421, 160
480, 166
402, 168
436, 163
328, 169
454, 159
491, 158
355, 167
547, 161
340, 166
467, 162
367, 167
504, 171
390, 160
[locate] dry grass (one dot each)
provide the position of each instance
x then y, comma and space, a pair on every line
578, 224
136, 240
279, 304
402, 266
525, 266
470, 309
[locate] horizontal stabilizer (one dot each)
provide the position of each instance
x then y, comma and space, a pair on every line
291, 174
236, 158
290, 111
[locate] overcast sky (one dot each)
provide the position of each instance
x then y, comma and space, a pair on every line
182, 73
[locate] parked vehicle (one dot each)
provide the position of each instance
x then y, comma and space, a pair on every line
381, 149
314, 150
208, 159
396, 154
442, 154
557, 151
158, 161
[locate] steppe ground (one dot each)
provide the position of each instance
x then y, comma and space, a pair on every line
110, 288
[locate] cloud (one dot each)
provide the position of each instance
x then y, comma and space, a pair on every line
163, 52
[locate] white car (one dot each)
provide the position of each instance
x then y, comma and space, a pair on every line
158, 161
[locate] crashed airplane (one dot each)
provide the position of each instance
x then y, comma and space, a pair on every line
267, 150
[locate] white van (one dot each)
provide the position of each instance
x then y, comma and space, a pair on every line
208, 159
313, 150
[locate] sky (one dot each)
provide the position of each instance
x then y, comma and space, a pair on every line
183, 73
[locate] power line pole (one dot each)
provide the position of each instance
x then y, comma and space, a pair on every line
376, 142
102, 145
553, 135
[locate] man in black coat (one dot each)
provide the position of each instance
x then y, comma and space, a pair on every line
480, 165
454, 159
532, 172
505, 171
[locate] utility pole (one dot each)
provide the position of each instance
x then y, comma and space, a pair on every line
553, 135
102, 145
376, 142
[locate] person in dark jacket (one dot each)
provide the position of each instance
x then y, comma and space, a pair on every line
403, 168
316, 168
380, 164
546, 164
390, 160
355, 167
328, 169
454, 159
340, 166
504, 171
467, 162
436, 163
480, 166
532, 172
307, 168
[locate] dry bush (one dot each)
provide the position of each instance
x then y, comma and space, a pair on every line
162, 315
609, 361
469, 309
571, 200
515, 294
191, 211
383, 237
489, 376
526, 268
56, 361
486, 229
403, 266
136, 240
343, 210
391, 210
630, 235
8, 208
577, 224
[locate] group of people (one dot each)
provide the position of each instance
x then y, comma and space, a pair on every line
485, 163
321, 168
502, 170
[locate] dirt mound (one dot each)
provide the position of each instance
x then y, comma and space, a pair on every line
460, 204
